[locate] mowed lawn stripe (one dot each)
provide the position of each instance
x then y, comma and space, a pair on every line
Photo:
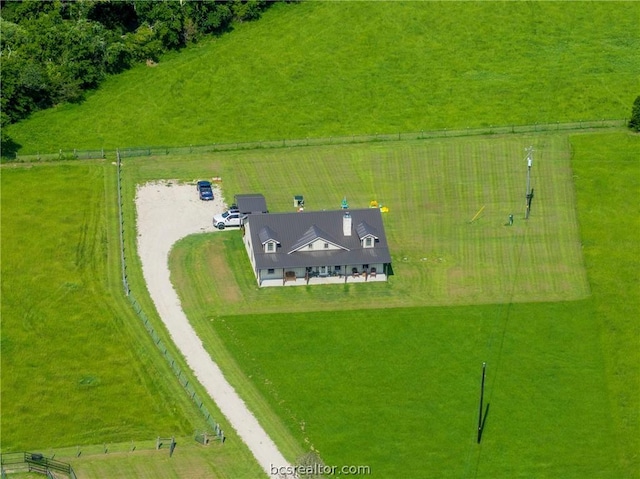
433, 189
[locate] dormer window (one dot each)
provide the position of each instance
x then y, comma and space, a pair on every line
368, 242
269, 239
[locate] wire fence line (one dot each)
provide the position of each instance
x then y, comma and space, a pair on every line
141, 151
184, 380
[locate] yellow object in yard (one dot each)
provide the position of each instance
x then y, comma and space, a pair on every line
477, 214
373, 204
384, 209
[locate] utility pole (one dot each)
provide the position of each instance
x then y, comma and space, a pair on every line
529, 190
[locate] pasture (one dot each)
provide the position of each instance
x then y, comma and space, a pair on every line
344, 68
370, 375
380, 375
58, 295
78, 367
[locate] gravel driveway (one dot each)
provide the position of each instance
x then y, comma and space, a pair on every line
166, 212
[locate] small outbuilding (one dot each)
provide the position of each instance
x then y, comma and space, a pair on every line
251, 203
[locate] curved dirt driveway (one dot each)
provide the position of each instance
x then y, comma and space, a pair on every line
166, 212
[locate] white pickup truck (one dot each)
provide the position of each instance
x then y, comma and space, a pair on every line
233, 217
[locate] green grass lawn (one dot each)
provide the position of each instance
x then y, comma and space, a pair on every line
433, 190
78, 367
607, 180
397, 388
318, 69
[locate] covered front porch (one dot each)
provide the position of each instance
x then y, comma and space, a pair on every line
313, 279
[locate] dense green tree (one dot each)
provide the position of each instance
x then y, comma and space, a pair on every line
209, 16
52, 51
24, 80
27, 9
248, 9
634, 122
166, 19
119, 17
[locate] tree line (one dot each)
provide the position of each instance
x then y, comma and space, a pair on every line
52, 51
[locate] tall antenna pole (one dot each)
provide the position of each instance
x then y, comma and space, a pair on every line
529, 190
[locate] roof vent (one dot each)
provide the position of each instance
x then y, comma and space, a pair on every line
346, 224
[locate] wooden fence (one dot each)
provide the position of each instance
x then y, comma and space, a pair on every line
33, 462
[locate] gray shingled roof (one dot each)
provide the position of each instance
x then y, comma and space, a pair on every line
294, 230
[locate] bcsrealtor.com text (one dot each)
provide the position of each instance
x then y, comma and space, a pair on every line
314, 470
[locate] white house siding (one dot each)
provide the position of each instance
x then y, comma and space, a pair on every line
318, 280
267, 279
319, 245
247, 244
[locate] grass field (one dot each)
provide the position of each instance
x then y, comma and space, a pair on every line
560, 351
56, 297
343, 68
554, 312
433, 190
396, 389
78, 368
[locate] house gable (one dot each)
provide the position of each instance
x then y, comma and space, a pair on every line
315, 239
